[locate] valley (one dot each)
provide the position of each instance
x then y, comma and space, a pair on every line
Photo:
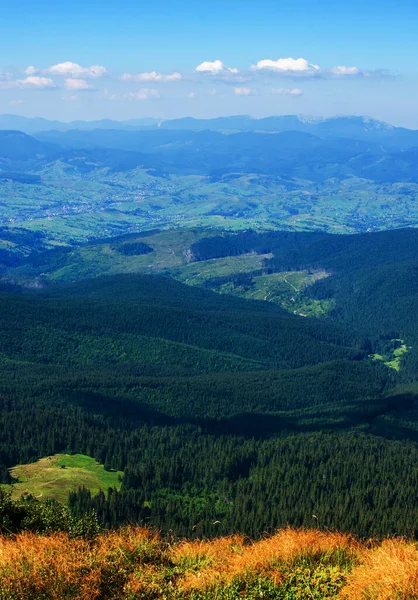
206, 364
189, 319
76, 186
208, 300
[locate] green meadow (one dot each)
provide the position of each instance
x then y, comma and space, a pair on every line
56, 476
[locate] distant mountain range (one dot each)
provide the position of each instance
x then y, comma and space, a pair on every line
361, 128
289, 154
37, 124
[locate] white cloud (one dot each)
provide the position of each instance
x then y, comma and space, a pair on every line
31, 70
36, 83
152, 76
16, 102
345, 71
285, 64
287, 91
144, 94
191, 95
70, 69
215, 67
80, 85
210, 67
244, 91
71, 98
32, 82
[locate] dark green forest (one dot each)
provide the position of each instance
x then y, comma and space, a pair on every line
226, 414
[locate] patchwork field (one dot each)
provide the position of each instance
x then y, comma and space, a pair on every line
70, 206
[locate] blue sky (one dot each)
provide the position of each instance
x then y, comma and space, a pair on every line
165, 59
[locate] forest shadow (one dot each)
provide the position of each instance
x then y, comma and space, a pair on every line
264, 425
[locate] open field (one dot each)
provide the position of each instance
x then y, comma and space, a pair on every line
56, 476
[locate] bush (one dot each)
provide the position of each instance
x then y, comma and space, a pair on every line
43, 517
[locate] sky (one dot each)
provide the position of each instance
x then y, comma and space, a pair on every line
126, 59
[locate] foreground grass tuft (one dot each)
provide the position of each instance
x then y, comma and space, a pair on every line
387, 572
135, 563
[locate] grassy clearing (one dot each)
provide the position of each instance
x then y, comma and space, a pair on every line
134, 564
393, 358
285, 289
197, 273
56, 476
169, 252
395, 363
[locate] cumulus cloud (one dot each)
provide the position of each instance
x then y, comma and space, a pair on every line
36, 82
70, 69
144, 94
16, 102
152, 76
210, 67
301, 67
244, 91
285, 64
31, 70
342, 71
214, 67
191, 95
287, 91
32, 82
345, 71
79, 85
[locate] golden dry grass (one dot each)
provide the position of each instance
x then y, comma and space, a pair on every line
225, 559
134, 564
56, 567
387, 572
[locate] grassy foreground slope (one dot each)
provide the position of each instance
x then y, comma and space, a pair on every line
133, 564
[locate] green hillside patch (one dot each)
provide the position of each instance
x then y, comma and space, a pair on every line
393, 357
285, 289
56, 476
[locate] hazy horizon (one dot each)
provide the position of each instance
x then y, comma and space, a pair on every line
302, 117
166, 60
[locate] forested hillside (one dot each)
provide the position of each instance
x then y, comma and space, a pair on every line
216, 408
